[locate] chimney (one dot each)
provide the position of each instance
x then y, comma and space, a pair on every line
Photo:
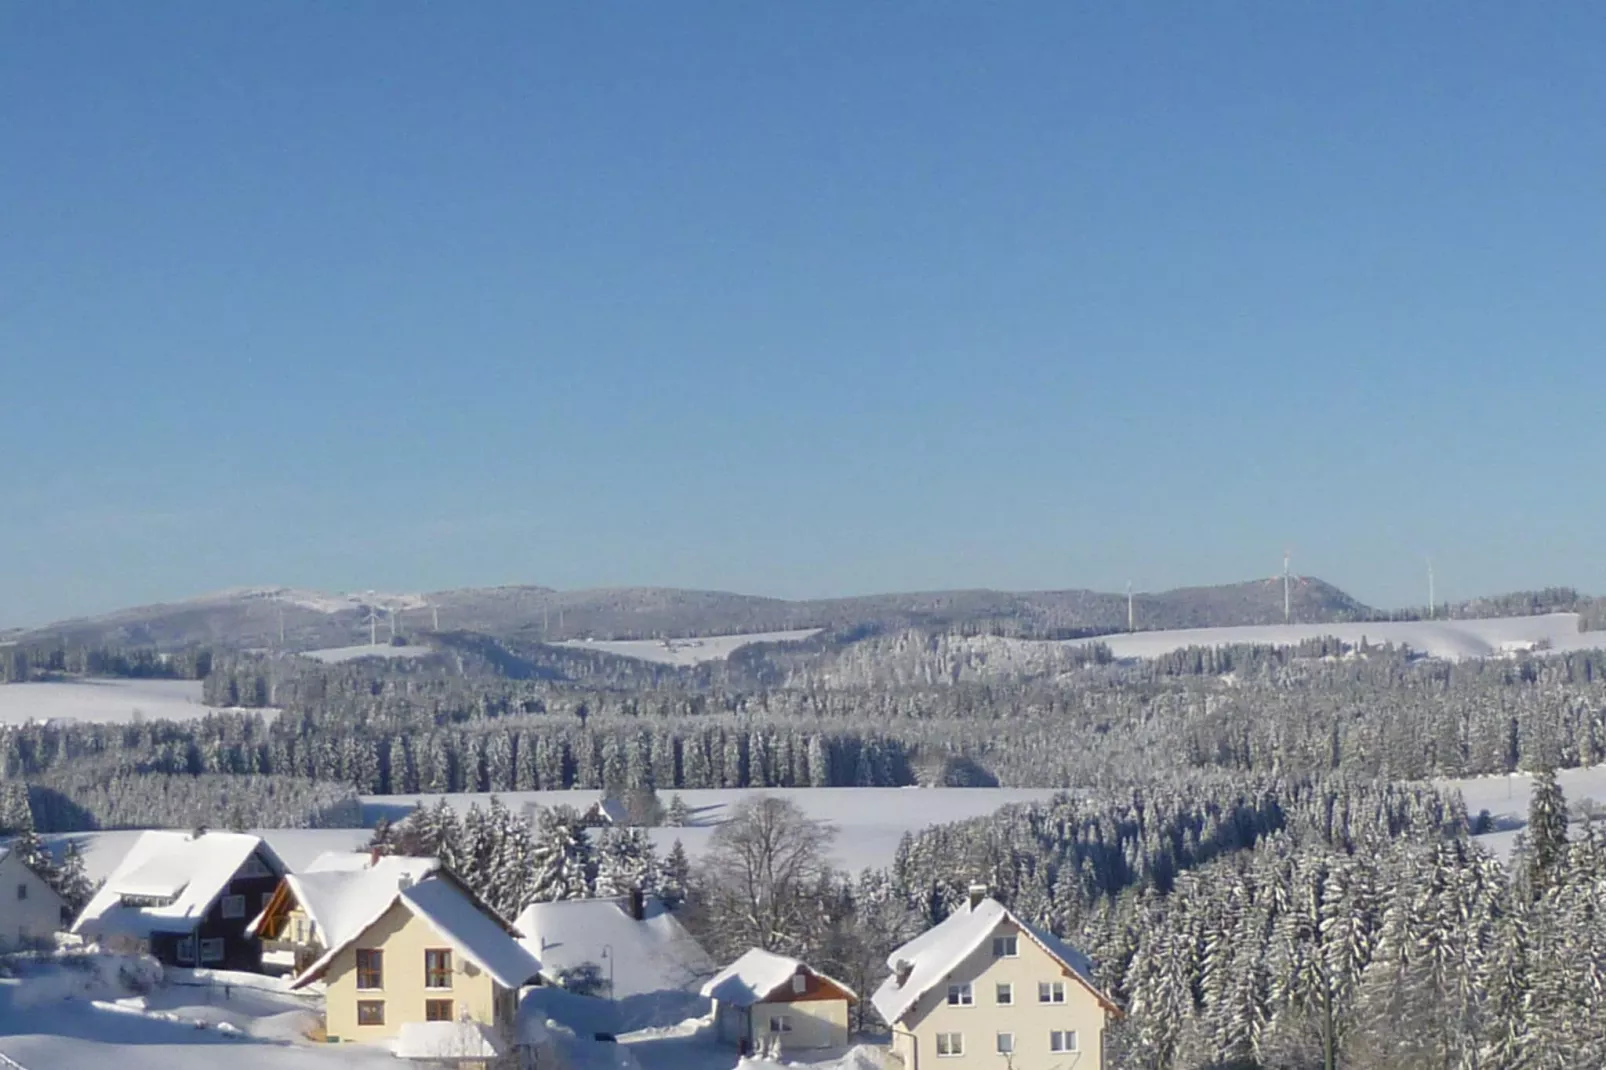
977, 893
901, 970
373, 858
638, 904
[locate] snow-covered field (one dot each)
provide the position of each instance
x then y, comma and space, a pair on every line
296, 847
685, 651
1452, 639
1506, 799
869, 821
336, 654
104, 700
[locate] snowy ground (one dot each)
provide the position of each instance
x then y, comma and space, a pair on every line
336, 654
685, 651
869, 821
1506, 799
691, 1045
104, 700
56, 1018
1453, 639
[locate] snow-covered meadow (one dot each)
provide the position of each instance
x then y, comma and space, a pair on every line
1450, 639
117, 701
337, 654
693, 651
869, 821
1506, 799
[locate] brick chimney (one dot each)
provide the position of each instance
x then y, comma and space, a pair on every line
977, 893
638, 904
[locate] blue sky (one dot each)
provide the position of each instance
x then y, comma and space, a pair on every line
798, 299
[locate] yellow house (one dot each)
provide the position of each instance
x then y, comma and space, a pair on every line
768, 1002
984, 989
430, 968
320, 906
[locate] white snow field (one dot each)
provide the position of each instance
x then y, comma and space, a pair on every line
685, 651
1449, 639
117, 701
336, 654
1506, 799
869, 821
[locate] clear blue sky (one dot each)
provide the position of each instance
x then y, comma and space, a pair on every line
798, 298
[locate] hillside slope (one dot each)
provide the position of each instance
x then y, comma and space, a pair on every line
309, 620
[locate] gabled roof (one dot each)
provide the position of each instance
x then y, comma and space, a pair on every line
5, 853
192, 870
758, 975
339, 900
655, 954
937, 952
443, 903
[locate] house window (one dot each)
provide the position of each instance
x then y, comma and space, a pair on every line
1062, 1040
370, 1012
1006, 947
300, 930
22, 891
1006, 995
950, 1043
1051, 992
437, 968
186, 949
267, 897
234, 906
781, 1023
800, 983
1006, 1044
437, 1010
960, 996
212, 950
253, 867
371, 971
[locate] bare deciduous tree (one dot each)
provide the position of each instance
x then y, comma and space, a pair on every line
761, 873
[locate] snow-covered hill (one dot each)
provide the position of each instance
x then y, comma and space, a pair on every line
1451, 639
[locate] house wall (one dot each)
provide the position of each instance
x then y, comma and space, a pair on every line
816, 1023
30, 909
404, 938
1029, 1020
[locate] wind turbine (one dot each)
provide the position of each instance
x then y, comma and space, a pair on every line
373, 626
1131, 615
1432, 605
1289, 579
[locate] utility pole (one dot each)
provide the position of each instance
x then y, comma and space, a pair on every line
1432, 604
1131, 615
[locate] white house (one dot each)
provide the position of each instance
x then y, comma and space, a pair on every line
764, 1001
186, 898
30, 910
984, 989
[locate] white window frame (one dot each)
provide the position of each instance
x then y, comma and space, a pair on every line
955, 1044
1006, 946
1063, 1040
961, 995
234, 906
1004, 1044
1004, 994
212, 949
1051, 992
780, 1023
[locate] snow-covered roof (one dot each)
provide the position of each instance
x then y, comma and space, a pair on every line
191, 870
759, 974
446, 1041
935, 953
443, 903
341, 901
655, 954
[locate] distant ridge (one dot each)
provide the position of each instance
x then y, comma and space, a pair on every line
252, 617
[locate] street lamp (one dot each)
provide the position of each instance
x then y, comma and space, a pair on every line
607, 953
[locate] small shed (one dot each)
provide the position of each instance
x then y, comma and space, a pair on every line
767, 1001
